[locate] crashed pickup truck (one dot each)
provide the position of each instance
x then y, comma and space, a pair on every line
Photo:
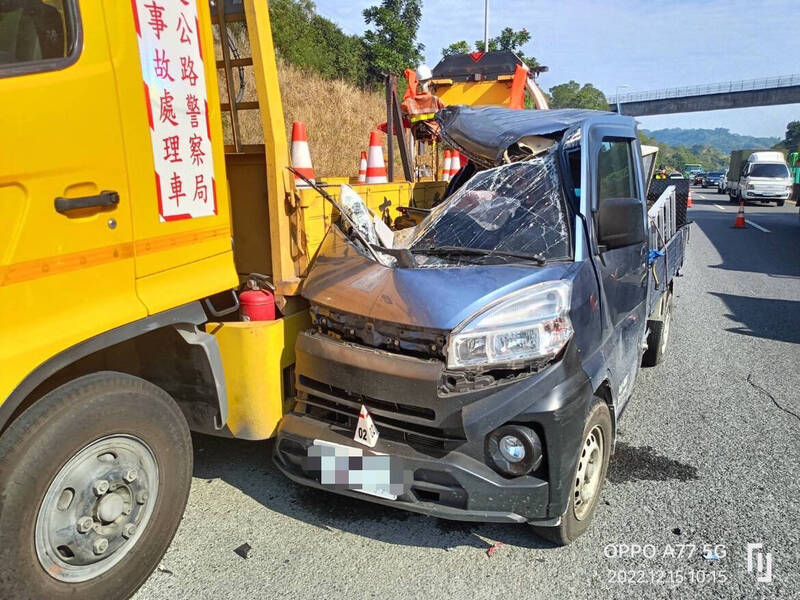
475, 366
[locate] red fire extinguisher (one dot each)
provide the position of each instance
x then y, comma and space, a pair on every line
257, 304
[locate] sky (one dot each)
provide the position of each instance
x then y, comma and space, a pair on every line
645, 44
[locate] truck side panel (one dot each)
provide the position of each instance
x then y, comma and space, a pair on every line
64, 276
177, 249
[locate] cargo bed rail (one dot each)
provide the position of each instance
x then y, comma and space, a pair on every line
662, 217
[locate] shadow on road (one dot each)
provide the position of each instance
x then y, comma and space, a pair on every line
248, 467
775, 254
763, 317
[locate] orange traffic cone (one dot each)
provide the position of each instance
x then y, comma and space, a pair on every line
301, 156
362, 168
376, 168
455, 164
739, 222
448, 159
689, 200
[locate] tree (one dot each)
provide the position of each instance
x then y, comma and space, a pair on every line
461, 47
573, 95
792, 140
391, 44
508, 40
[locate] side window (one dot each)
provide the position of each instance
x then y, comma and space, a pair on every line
616, 177
36, 30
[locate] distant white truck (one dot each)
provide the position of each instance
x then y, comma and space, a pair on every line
759, 175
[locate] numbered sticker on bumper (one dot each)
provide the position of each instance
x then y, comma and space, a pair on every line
348, 468
366, 433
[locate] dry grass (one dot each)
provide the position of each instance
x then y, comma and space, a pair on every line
338, 116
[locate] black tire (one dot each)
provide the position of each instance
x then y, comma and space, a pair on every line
780, 202
719, 191
52, 431
658, 339
571, 528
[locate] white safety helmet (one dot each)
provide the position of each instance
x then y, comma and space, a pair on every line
424, 73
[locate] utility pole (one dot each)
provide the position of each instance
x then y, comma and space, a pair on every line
486, 27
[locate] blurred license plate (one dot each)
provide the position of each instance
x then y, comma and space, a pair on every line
349, 468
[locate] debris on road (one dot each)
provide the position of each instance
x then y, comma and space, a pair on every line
677, 531
490, 552
163, 569
244, 550
709, 555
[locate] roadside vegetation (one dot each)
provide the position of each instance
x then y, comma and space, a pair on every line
334, 83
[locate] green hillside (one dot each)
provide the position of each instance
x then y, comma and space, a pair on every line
720, 139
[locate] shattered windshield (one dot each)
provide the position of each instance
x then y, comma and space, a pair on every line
513, 210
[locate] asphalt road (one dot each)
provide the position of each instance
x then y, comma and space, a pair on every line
708, 454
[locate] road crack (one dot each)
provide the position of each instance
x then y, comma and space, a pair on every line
771, 397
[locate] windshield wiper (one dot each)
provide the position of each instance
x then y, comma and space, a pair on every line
465, 250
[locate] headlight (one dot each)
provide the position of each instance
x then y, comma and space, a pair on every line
532, 323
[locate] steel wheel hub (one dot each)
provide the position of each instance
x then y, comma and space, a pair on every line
587, 478
96, 508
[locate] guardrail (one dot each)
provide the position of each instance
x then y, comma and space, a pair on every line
744, 85
663, 218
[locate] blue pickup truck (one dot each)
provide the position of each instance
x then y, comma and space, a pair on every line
475, 366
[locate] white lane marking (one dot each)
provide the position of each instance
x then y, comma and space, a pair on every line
757, 226
720, 207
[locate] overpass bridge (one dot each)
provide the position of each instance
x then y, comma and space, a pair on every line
716, 96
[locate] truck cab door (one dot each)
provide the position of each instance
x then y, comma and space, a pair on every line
66, 254
617, 185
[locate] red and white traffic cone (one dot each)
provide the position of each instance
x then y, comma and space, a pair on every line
689, 203
376, 168
455, 164
301, 156
739, 222
448, 159
362, 168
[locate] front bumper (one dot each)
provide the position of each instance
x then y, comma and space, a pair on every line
756, 195
436, 438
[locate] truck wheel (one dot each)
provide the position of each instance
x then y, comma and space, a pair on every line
780, 202
94, 478
590, 474
658, 338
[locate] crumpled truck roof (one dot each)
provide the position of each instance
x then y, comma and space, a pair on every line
485, 133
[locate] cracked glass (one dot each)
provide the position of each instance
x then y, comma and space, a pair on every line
504, 214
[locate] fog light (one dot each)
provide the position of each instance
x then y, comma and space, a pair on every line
514, 450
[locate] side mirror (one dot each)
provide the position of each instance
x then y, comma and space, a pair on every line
620, 223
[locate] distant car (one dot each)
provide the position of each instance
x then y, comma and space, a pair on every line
722, 183
711, 179
698, 178
675, 176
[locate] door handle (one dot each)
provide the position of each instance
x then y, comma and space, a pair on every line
105, 198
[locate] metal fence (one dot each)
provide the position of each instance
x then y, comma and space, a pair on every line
711, 88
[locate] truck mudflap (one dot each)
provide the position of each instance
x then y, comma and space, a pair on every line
436, 439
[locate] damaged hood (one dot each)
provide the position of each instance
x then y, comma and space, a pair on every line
485, 133
344, 280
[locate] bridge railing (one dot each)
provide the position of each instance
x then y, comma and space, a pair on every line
744, 85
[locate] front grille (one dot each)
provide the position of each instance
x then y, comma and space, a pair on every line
339, 408
391, 337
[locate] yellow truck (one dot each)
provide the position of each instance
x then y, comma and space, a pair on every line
133, 213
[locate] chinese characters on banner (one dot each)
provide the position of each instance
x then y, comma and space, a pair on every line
175, 92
